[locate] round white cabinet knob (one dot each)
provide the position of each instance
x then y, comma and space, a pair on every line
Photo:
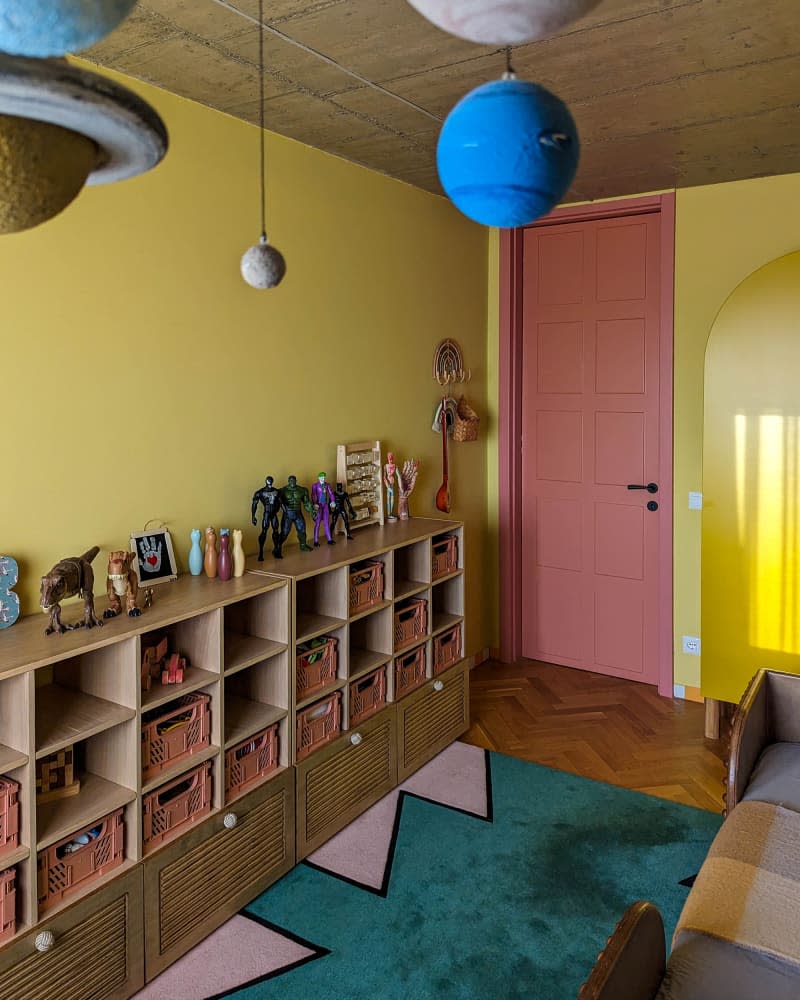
356, 738
438, 685
230, 820
44, 941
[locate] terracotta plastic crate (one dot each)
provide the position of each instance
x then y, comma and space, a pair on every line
444, 556
316, 664
367, 695
9, 814
409, 672
174, 731
318, 724
175, 804
447, 649
366, 585
83, 856
8, 903
410, 622
250, 760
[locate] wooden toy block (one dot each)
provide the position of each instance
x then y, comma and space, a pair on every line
55, 778
173, 672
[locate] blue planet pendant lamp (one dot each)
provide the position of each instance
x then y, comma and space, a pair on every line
507, 152
42, 28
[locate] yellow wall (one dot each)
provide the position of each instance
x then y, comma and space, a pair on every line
723, 233
751, 476
141, 378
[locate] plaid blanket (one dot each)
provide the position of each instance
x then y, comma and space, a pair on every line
748, 890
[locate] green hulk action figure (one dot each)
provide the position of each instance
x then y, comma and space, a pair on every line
294, 499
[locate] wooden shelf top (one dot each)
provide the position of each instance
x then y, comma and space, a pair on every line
309, 626
25, 646
62, 817
366, 543
407, 588
12, 857
244, 717
446, 576
9, 759
370, 611
245, 650
159, 694
64, 716
364, 660
443, 621
322, 692
184, 764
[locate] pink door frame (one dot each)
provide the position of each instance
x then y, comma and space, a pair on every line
510, 419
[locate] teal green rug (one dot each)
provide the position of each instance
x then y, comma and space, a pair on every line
513, 906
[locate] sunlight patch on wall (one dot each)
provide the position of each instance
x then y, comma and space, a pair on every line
774, 566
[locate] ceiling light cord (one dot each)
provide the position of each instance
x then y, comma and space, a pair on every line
509, 73
261, 118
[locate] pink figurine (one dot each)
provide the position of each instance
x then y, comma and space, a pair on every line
225, 561
389, 476
323, 500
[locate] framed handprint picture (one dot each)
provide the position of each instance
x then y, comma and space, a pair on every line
155, 558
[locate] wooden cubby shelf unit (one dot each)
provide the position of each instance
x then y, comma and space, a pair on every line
82, 691
127, 922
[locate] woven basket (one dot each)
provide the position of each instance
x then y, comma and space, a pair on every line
465, 426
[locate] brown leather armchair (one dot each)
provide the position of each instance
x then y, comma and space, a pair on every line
764, 760
631, 966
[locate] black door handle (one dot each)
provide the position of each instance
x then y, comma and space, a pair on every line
651, 487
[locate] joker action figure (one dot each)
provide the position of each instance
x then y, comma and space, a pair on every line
324, 502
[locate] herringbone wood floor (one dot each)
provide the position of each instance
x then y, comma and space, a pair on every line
599, 727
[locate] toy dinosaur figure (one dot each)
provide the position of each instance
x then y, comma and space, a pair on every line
121, 582
71, 576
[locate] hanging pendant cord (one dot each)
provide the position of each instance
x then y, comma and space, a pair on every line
261, 117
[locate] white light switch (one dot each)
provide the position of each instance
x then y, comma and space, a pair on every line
695, 501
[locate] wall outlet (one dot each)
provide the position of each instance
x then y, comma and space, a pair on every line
691, 645
695, 501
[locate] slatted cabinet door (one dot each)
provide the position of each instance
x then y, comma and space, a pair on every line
339, 782
430, 719
97, 949
197, 882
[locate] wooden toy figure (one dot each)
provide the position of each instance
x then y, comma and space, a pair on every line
195, 553
238, 553
342, 508
210, 558
407, 480
225, 561
71, 576
323, 501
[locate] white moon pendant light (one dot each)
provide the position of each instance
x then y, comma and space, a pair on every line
502, 22
42, 28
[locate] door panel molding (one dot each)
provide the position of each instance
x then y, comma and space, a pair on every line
510, 418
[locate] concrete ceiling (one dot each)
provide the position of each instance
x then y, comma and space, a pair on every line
665, 93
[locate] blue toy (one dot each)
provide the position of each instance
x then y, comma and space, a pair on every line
43, 28
507, 153
9, 601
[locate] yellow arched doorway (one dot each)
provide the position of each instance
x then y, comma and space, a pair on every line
751, 483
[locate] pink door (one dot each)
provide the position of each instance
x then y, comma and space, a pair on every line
590, 429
